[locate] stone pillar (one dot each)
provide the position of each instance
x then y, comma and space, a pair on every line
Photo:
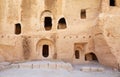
104, 6
26, 16
103, 15
3, 6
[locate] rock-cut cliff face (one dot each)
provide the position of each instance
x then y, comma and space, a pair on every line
67, 29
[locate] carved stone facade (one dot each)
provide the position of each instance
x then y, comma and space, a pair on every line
70, 30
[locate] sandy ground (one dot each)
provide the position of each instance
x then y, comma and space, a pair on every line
36, 72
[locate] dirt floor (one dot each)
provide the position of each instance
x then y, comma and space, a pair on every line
91, 69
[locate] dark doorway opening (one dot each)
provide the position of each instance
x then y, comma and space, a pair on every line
77, 54
45, 50
83, 14
91, 57
17, 28
62, 23
48, 23
112, 2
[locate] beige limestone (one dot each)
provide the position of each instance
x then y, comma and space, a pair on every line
98, 33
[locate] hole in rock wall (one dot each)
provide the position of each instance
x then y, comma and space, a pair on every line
77, 54
48, 23
45, 50
62, 23
112, 2
91, 57
17, 28
89, 36
83, 14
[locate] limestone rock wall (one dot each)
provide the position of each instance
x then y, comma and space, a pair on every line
111, 31
97, 32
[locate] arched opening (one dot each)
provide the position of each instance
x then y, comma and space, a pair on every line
45, 50
62, 23
48, 23
17, 28
77, 54
91, 57
112, 2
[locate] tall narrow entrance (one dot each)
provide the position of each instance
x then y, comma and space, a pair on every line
79, 50
77, 54
45, 50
